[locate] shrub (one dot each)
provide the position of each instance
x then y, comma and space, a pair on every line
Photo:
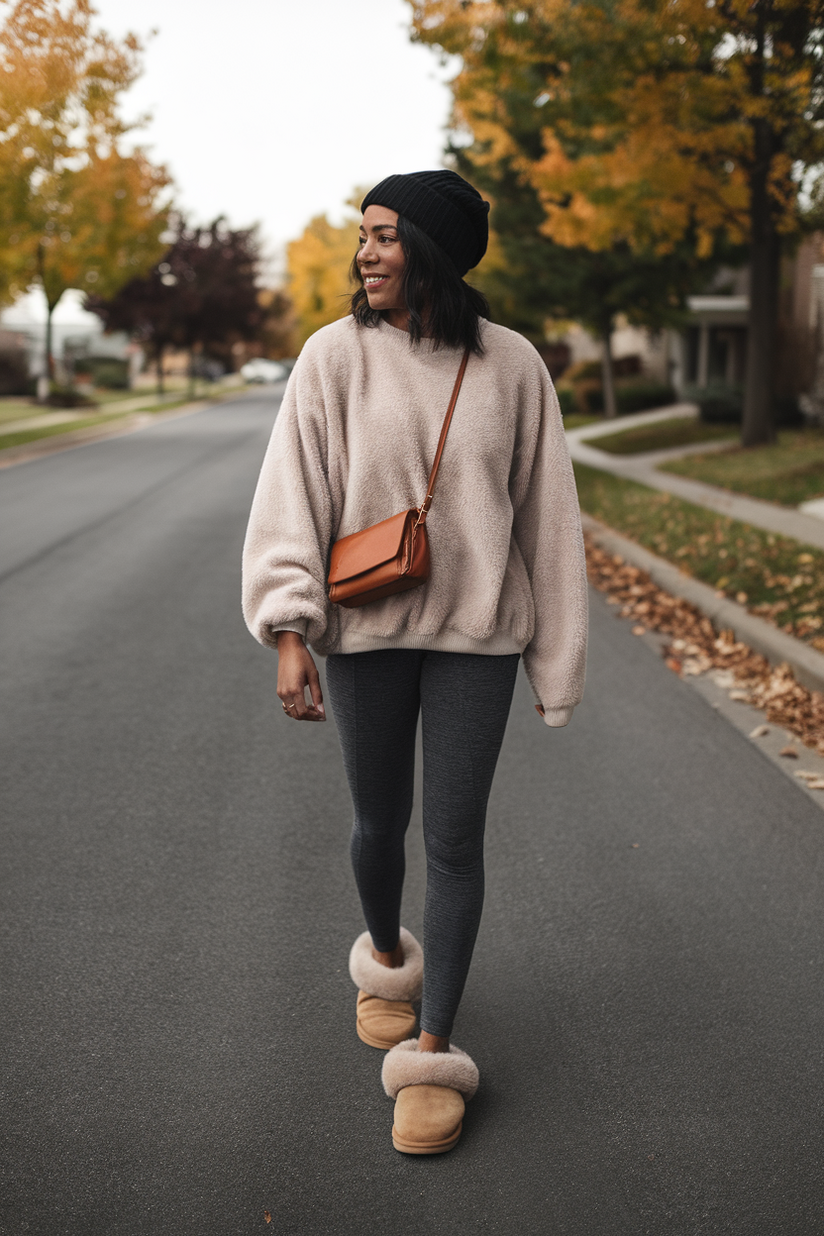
108, 372
68, 397
721, 404
14, 373
567, 400
638, 396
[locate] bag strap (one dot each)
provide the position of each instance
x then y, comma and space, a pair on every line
430, 484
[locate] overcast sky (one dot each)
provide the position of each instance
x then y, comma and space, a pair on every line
273, 110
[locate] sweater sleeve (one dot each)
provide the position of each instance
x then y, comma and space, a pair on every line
290, 525
547, 529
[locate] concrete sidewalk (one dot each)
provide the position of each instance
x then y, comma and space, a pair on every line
801, 526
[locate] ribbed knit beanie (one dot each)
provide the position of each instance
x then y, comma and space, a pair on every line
443, 205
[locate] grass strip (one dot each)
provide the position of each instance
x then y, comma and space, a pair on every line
22, 436
777, 578
576, 420
49, 431
790, 471
660, 435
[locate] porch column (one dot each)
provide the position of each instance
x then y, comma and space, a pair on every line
703, 354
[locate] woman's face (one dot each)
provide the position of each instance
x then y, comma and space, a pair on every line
381, 261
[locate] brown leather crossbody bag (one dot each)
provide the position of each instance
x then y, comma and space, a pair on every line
393, 555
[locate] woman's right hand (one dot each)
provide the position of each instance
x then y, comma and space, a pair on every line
296, 672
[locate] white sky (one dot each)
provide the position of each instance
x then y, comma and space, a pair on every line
273, 111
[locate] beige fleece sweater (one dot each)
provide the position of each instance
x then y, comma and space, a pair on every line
353, 444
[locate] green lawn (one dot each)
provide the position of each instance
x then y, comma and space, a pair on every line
49, 431
18, 409
775, 577
678, 431
790, 472
575, 420
85, 418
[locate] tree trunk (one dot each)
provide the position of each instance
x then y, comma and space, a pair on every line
191, 374
608, 378
159, 367
50, 308
758, 425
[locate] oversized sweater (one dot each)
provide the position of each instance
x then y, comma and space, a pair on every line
353, 444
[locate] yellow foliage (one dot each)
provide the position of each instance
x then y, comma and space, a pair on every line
74, 211
649, 110
318, 265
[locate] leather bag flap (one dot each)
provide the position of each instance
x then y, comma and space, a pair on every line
363, 551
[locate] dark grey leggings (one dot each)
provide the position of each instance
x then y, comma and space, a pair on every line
464, 701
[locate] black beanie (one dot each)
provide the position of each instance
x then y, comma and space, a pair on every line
443, 205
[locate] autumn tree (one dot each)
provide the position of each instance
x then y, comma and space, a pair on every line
202, 296
318, 265
277, 329
662, 124
75, 211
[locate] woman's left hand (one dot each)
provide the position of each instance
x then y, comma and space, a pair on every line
296, 672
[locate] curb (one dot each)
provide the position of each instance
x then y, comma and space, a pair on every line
775, 645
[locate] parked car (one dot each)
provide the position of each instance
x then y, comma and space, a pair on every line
262, 370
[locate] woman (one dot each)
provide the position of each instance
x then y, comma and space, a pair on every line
353, 445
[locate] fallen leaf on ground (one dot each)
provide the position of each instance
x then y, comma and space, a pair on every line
790, 753
700, 648
639, 630
760, 731
267, 1216
742, 697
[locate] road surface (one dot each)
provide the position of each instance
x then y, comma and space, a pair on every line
179, 1054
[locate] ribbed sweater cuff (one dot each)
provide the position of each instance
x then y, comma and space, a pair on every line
557, 717
298, 626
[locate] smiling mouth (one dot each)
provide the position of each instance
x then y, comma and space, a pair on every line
372, 281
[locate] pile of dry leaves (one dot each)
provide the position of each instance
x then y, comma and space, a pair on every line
697, 647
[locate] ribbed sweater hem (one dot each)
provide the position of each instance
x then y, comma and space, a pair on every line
500, 644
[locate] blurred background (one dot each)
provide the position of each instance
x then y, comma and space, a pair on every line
180, 196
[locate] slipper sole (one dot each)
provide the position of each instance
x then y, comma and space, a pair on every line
427, 1147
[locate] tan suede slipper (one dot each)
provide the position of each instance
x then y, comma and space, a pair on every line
430, 1090
384, 1010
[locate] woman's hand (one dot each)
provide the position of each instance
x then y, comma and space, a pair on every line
296, 672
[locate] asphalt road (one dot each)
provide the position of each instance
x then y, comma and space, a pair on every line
178, 1043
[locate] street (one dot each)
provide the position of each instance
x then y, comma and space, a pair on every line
179, 1054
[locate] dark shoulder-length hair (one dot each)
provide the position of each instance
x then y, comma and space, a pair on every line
441, 305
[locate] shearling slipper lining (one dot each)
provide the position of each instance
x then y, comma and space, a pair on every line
403, 983
404, 1066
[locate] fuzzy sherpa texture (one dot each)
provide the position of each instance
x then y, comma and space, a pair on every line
405, 1066
353, 444
401, 983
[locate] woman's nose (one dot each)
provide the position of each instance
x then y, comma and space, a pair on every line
367, 252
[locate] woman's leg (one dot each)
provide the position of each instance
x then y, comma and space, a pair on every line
465, 701
375, 701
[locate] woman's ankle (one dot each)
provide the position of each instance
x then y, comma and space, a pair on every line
432, 1042
393, 959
